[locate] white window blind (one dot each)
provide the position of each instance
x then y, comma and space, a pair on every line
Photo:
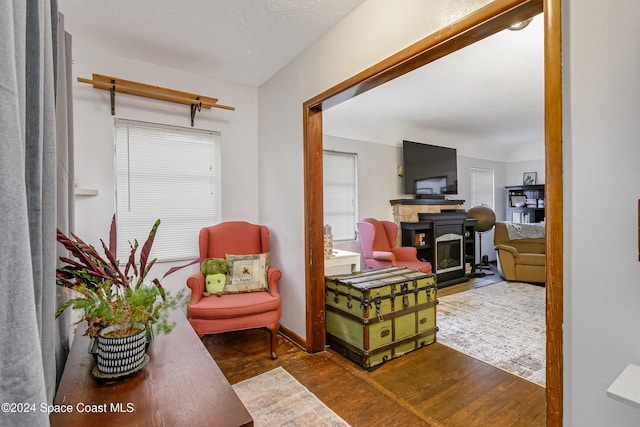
340, 194
482, 187
167, 173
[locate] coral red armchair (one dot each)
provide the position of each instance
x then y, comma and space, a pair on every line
378, 239
233, 312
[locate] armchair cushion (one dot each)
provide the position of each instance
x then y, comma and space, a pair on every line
234, 306
247, 273
532, 259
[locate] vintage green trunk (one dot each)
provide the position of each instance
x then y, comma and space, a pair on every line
380, 314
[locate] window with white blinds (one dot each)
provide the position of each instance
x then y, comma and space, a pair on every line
340, 193
168, 173
482, 187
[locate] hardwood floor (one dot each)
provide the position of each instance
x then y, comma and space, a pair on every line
432, 386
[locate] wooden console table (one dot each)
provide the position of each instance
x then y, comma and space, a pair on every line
181, 385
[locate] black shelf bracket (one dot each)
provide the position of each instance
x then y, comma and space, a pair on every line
195, 107
112, 91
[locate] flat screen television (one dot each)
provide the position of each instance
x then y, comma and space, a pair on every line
429, 171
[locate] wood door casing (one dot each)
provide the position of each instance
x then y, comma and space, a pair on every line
480, 24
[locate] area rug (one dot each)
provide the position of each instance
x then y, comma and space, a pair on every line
502, 324
276, 398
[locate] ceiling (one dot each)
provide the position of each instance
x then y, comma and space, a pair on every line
240, 41
488, 95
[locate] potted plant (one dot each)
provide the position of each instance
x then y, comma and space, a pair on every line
118, 304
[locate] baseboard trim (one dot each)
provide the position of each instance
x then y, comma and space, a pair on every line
293, 337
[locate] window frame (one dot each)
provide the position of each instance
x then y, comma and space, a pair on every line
156, 178
472, 189
347, 237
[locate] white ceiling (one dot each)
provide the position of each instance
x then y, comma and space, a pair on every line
241, 41
489, 93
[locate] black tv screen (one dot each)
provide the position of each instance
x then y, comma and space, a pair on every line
429, 171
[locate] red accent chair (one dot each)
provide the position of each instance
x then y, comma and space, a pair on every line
378, 243
233, 312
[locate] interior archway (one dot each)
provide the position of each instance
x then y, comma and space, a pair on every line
482, 23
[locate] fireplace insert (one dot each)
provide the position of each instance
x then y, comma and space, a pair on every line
449, 254
446, 240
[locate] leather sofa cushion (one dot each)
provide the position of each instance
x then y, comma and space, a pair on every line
531, 259
501, 236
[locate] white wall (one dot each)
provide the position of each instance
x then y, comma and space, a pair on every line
378, 180
516, 170
464, 192
94, 136
356, 43
601, 124
601, 95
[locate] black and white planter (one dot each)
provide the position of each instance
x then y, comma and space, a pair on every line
121, 355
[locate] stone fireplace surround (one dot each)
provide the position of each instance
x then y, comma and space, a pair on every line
407, 210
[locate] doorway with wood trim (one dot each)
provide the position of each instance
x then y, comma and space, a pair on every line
482, 23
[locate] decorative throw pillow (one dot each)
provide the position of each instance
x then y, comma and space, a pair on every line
247, 273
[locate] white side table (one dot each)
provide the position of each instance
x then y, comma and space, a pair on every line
341, 262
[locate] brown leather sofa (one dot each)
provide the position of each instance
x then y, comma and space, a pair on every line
520, 259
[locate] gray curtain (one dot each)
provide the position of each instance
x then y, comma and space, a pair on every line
29, 211
64, 179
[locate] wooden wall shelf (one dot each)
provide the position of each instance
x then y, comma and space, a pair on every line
129, 87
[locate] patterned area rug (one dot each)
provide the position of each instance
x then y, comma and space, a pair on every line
276, 398
502, 324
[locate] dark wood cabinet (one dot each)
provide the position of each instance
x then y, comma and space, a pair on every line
525, 203
470, 244
434, 238
419, 235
